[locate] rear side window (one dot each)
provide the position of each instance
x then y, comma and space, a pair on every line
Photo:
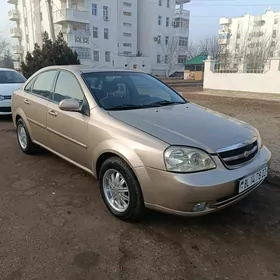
44, 83
67, 87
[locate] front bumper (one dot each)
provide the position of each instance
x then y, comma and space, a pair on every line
5, 107
179, 193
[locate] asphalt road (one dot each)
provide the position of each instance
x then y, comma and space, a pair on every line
53, 225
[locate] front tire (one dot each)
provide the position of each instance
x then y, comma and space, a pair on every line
24, 140
120, 190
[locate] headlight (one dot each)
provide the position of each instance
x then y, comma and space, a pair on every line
186, 159
2, 98
260, 144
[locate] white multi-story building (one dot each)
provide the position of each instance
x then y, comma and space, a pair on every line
249, 33
121, 33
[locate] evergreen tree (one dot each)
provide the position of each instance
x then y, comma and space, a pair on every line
51, 53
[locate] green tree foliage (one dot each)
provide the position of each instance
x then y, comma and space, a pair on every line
51, 53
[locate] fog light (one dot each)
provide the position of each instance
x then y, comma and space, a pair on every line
200, 207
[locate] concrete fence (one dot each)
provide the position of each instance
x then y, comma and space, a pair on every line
266, 82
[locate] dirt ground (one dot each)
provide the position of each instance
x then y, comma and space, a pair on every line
53, 224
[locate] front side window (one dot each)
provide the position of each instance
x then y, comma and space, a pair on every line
11, 77
67, 87
129, 90
44, 83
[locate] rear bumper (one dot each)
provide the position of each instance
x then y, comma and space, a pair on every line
180, 193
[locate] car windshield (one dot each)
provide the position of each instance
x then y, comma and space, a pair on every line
129, 90
11, 77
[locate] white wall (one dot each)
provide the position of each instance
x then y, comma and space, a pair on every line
268, 82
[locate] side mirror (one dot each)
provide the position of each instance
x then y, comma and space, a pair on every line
69, 105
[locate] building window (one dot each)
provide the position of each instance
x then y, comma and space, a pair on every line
106, 33
182, 59
129, 45
276, 21
107, 56
160, 2
273, 44
27, 38
129, 14
166, 40
167, 22
83, 53
183, 41
126, 34
105, 13
126, 24
274, 33
127, 53
159, 39
166, 59
158, 58
159, 20
127, 4
25, 22
96, 56
95, 32
168, 3
94, 9
237, 46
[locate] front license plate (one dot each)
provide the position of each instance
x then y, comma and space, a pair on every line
252, 180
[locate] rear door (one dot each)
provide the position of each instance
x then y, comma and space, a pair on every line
35, 104
67, 131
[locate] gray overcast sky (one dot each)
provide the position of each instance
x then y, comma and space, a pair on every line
205, 14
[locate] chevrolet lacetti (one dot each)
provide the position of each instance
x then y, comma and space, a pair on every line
146, 144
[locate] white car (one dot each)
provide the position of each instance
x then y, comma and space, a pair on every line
10, 80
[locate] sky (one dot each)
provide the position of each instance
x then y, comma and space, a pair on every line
205, 14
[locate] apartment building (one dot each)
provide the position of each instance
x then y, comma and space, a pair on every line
119, 33
248, 33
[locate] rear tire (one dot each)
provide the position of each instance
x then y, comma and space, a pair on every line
24, 140
121, 191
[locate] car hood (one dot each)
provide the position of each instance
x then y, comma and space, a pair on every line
8, 89
188, 125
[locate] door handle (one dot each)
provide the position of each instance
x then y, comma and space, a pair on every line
26, 101
52, 112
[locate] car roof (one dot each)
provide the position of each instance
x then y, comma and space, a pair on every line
89, 69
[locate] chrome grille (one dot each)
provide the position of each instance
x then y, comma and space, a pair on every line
240, 155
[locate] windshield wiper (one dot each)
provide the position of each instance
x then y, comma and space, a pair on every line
125, 107
165, 103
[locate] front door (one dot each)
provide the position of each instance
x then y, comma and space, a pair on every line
68, 130
35, 104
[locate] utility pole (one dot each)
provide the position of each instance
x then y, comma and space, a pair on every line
50, 16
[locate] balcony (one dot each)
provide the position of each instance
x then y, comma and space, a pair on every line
182, 13
225, 21
14, 2
17, 49
70, 15
74, 40
15, 32
178, 2
14, 15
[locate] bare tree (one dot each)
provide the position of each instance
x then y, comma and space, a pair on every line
3, 47
255, 51
174, 54
210, 46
